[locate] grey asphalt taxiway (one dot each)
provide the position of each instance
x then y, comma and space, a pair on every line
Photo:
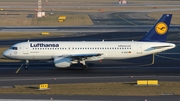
162, 97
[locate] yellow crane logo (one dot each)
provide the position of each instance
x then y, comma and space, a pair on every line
161, 28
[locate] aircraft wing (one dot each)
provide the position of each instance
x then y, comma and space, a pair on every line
63, 61
84, 56
81, 56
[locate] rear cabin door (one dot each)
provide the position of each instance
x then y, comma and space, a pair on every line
139, 48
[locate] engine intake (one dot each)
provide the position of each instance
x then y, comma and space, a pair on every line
62, 62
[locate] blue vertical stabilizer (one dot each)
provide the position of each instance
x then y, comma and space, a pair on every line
160, 30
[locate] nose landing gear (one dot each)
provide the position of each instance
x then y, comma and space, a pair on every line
26, 64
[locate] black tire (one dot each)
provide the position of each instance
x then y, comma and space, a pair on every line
26, 67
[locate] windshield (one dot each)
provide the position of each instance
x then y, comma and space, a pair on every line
14, 48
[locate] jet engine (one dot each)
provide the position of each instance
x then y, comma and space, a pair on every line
62, 62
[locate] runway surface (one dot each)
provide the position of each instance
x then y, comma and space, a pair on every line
89, 98
79, 5
94, 98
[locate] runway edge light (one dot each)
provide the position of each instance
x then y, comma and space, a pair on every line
43, 87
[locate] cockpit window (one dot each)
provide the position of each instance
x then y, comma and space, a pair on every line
14, 48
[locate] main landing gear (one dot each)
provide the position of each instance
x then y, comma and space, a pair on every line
84, 67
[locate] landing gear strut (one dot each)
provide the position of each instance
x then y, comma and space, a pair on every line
26, 64
84, 67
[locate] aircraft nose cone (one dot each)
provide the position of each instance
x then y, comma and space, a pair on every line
6, 53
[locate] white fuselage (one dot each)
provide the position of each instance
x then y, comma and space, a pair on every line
109, 49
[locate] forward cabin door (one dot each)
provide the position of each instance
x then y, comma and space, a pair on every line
25, 49
139, 48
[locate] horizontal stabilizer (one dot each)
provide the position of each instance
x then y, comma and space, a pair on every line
159, 47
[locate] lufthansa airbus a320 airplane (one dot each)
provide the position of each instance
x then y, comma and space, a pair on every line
66, 53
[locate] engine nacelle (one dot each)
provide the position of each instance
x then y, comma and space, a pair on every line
62, 62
